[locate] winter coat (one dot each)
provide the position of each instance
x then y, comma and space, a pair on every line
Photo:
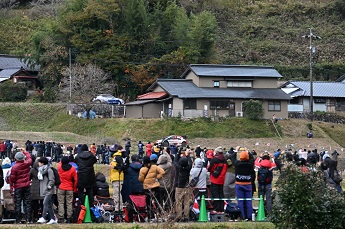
102, 187
183, 166
86, 173
164, 162
194, 172
47, 185
2, 147
68, 177
118, 171
20, 172
150, 176
35, 183
243, 170
218, 160
265, 163
133, 174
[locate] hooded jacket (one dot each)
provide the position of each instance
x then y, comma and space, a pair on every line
102, 187
68, 177
194, 172
47, 185
183, 166
133, 174
86, 173
20, 172
164, 161
218, 160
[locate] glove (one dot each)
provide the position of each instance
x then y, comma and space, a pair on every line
49, 187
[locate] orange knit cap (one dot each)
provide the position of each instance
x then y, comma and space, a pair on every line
244, 156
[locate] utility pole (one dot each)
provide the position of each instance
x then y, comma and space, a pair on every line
70, 74
312, 50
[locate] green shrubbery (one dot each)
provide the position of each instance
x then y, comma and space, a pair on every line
13, 92
254, 109
304, 201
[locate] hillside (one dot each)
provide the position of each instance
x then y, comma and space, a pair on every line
265, 32
47, 122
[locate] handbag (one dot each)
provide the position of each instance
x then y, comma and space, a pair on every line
217, 171
193, 182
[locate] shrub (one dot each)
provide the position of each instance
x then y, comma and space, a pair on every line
254, 109
306, 202
13, 92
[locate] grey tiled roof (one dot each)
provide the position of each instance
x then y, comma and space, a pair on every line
232, 71
8, 72
320, 89
187, 89
7, 62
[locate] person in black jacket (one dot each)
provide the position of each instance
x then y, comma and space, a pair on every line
102, 186
86, 173
183, 198
243, 175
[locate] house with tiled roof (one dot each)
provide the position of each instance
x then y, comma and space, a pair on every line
212, 90
19, 71
327, 96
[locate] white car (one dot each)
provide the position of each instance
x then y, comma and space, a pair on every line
107, 98
173, 140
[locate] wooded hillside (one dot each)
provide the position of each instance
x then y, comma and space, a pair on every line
137, 41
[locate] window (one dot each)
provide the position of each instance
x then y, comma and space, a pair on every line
215, 83
239, 84
221, 105
319, 100
274, 106
190, 104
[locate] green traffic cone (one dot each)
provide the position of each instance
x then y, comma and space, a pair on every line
261, 210
87, 218
203, 213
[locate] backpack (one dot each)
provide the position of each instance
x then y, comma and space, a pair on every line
263, 176
57, 181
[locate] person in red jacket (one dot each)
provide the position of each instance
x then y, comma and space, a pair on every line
148, 149
20, 178
2, 150
217, 169
68, 177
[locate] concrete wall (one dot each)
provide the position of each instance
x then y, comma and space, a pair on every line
193, 77
265, 83
283, 113
150, 110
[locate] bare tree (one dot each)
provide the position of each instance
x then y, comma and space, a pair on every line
82, 83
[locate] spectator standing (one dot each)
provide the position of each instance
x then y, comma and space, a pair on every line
47, 190
265, 177
36, 198
148, 149
2, 150
149, 175
86, 174
128, 148
183, 165
217, 168
69, 179
140, 149
117, 174
20, 178
200, 188
165, 162
229, 182
93, 149
135, 187
243, 175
